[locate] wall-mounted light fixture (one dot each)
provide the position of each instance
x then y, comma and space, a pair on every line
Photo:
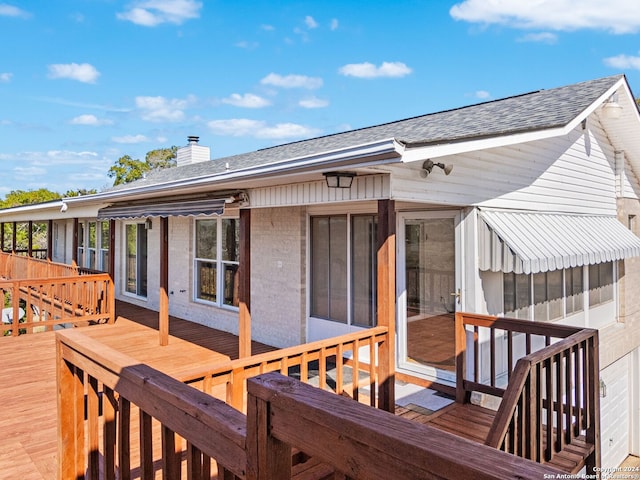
428, 165
611, 108
339, 179
603, 389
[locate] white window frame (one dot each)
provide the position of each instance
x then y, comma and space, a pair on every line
84, 245
218, 261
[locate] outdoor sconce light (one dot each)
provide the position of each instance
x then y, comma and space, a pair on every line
603, 389
611, 108
339, 179
428, 165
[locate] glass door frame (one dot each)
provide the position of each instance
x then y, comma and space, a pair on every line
412, 368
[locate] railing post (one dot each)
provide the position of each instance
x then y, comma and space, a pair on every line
70, 401
267, 457
387, 302
15, 306
593, 398
461, 348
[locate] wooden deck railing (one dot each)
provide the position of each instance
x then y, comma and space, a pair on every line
40, 295
106, 404
340, 357
20, 266
551, 403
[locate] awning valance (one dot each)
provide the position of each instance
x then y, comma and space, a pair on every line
524, 242
173, 208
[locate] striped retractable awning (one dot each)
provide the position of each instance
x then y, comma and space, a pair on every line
524, 242
174, 208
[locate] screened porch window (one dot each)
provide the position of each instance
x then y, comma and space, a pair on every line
343, 268
217, 261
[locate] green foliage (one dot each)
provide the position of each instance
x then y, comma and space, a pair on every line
80, 192
16, 198
127, 169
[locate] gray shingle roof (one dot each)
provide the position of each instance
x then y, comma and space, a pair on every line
539, 110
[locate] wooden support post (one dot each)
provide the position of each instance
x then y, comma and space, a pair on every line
30, 239
74, 243
387, 302
2, 236
70, 401
50, 240
267, 457
461, 350
112, 249
244, 287
14, 239
164, 281
593, 462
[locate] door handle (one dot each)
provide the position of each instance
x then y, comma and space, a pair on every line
458, 296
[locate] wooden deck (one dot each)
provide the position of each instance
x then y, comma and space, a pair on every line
28, 428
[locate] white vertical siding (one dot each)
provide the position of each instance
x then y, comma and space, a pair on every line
365, 187
574, 173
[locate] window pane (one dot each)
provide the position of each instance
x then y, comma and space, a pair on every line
574, 289
142, 259
230, 239
206, 281
363, 269
600, 283
131, 267
540, 297
338, 268
329, 267
104, 235
320, 267
231, 284
92, 235
509, 291
206, 238
523, 296
81, 234
554, 294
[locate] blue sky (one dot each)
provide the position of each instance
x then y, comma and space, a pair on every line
83, 82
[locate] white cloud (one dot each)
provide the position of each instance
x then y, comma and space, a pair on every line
161, 109
7, 10
248, 100
150, 13
334, 24
542, 37
616, 16
130, 139
247, 45
483, 94
6, 77
623, 62
83, 72
369, 70
310, 22
267, 28
292, 81
88, 119
243, 127
27, 173
313, 102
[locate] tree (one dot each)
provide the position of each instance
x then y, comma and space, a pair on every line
15, 198
79, 192
127, 169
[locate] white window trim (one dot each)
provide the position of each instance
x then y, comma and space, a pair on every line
123, 269
219, 303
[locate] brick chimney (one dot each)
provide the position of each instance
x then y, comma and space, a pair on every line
193, 152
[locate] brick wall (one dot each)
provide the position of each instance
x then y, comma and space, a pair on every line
278, 282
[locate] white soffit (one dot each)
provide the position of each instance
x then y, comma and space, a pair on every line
524, 242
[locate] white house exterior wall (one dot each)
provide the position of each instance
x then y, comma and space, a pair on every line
569, 174
278, 280
365, 187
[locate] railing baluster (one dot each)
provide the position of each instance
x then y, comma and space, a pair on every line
92, 416
509, 354
339, 362
109, 406
170, 459
549, 415
492, 355
372, 372
322, 368
476, 354
146, 446
569, 407
124, 438
355, 375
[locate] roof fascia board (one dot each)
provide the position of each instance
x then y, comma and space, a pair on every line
376, 153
